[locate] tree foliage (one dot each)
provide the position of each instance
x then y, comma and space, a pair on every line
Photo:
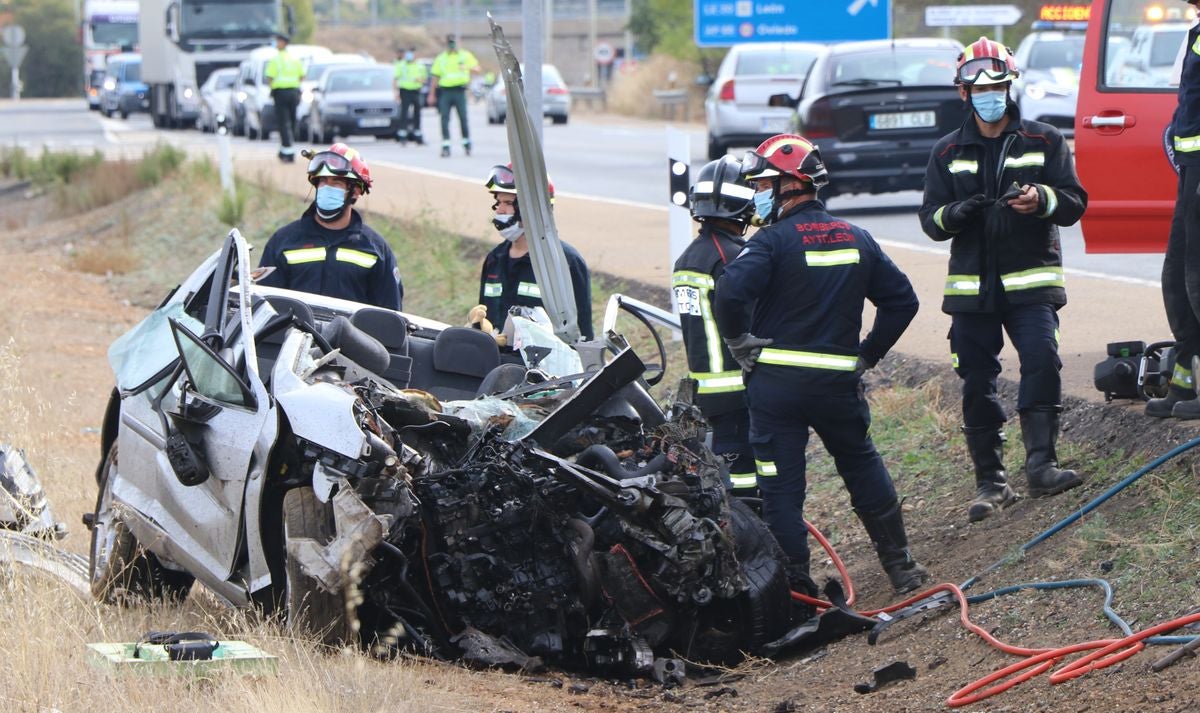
302, 16
53, 67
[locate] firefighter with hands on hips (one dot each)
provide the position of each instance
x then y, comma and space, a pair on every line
330, 250
998, 188
722, 202
1181, 263
285, 72
452, 70
410, 77
807, 275
507, 279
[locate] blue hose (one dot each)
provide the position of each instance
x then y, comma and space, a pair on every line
1073, 517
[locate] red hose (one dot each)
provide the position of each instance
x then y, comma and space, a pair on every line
1104, 652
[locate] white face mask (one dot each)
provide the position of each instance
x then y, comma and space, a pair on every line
507, 226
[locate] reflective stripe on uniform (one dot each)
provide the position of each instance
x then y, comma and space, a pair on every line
743, 480
1182, 376
954, 360
703, 283
356, 257
963, 166
937, 219
962, 285
717, 382
1196, 46
1187, 144
765, 468
528, 289
1029, 159
1048, 276
823, 258
1057, 337
814, 360
1051, 202
303, 255
492, 289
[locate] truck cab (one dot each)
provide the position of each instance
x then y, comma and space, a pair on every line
1127, 96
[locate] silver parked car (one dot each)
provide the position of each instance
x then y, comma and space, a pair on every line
312, 77
215, 96
736, 108
556, 98
1048, 87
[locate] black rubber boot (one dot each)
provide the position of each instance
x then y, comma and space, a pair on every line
992, 491
886, 530
1039, 429
799, 580
1162, 408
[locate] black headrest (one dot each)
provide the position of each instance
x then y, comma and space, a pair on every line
283, 305
389, 327
357, 345
462, 350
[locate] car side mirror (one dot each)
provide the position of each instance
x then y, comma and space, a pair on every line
783, 100
703, 80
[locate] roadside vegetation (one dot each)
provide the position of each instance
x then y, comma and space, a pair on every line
132, 245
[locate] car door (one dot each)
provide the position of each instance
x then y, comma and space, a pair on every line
210, 433
1120, 122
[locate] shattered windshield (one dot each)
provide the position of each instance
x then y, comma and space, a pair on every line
143, 352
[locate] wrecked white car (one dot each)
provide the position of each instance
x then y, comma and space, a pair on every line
331, 462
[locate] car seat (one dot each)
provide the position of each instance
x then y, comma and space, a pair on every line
462, 357
269, 344
391, 329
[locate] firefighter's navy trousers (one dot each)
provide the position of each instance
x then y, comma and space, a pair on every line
975, 342
780, 418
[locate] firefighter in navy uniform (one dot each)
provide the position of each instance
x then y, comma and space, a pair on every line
507, 279
330, 250
807, 275
998, 188
722, 202
1181, 263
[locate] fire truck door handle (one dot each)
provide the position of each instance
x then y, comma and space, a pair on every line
1122, 121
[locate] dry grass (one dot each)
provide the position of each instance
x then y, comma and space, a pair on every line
632, 91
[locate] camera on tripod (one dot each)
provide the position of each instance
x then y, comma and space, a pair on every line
1134, 370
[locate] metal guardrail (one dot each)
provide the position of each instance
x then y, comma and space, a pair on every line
591, 95
670, 100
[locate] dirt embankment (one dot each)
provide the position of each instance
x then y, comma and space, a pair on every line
60, 321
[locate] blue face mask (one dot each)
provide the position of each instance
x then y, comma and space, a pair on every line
408, 56
990, 105
764, 203
330, 201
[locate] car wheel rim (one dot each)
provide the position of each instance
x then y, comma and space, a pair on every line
103, 533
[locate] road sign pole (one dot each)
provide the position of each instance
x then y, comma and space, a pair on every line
16, 84
531, 55
679, 217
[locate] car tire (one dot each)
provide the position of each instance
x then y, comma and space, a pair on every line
559, 119
124, 114
312, 612
122, 571
725, 631
108, 113
251, 132
500, 118
716, 149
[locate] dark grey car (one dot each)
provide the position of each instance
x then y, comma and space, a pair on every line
876, 108
354, 100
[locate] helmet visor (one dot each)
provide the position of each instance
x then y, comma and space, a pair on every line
328, 161
757, 166
992, 68
501, 179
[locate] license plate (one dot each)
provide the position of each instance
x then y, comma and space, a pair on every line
776, 125
374, 123
904, 120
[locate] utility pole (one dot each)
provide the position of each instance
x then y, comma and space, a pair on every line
628, 34
531, 56
594, 72
548, 53
458, 21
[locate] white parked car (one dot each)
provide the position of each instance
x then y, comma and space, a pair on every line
215, 95
736, 107
556, 98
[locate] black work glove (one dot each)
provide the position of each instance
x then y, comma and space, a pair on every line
861, 366
1014, 191
746, 348
956, 215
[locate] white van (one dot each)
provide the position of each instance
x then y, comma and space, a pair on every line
256, 115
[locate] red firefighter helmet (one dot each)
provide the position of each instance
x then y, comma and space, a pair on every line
339, 161
501, 179
986, 62
786, 155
